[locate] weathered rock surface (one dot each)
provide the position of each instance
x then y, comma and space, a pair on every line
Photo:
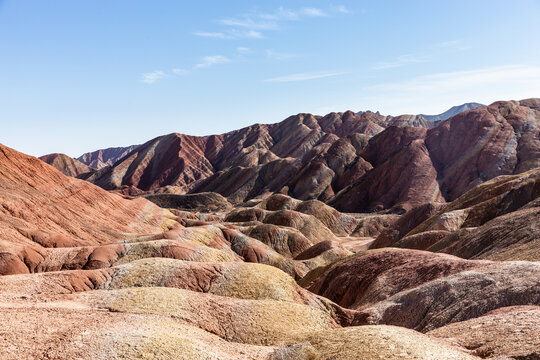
422, 241
369, 342
395, 230
82, 333
514, 236
43, 208
339, 223
510, 332
497, 220
204, 202
499, 196
308, 225
459, 297
370, 277
287, 241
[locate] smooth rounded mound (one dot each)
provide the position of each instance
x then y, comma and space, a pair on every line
259, 322
239, 280
374, 343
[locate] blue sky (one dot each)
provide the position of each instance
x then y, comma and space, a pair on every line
76, 76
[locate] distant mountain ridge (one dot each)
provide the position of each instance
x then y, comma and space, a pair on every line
105, 157
102, 158
353, 162
453, 111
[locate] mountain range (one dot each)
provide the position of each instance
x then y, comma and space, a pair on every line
106, 157
319, 237
356, 163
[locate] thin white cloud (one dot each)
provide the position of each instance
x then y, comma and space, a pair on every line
180, 71
303, 76
309, 11
452, 45
459, 79
432, 93
152, 77
248, 22
231, 34
286, 14
449, 43
400, 61
274, 55
215, 35
280, 14
249, 34
266, 21
208, 61
340, 9
243, 50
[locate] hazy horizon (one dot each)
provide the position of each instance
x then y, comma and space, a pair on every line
79, 76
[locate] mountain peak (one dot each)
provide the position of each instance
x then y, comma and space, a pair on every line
453, 111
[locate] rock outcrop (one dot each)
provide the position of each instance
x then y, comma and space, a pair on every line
496, 220
370, 277
519, 326
459, 297
203, 202
43, 207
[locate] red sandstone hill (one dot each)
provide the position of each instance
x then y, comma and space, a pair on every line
42, 208
497, 220
67, 165
414, 166
273, 153
423, 290
353, 162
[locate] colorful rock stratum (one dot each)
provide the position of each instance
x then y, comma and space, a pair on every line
348, 236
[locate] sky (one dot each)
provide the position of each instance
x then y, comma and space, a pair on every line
76, 76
